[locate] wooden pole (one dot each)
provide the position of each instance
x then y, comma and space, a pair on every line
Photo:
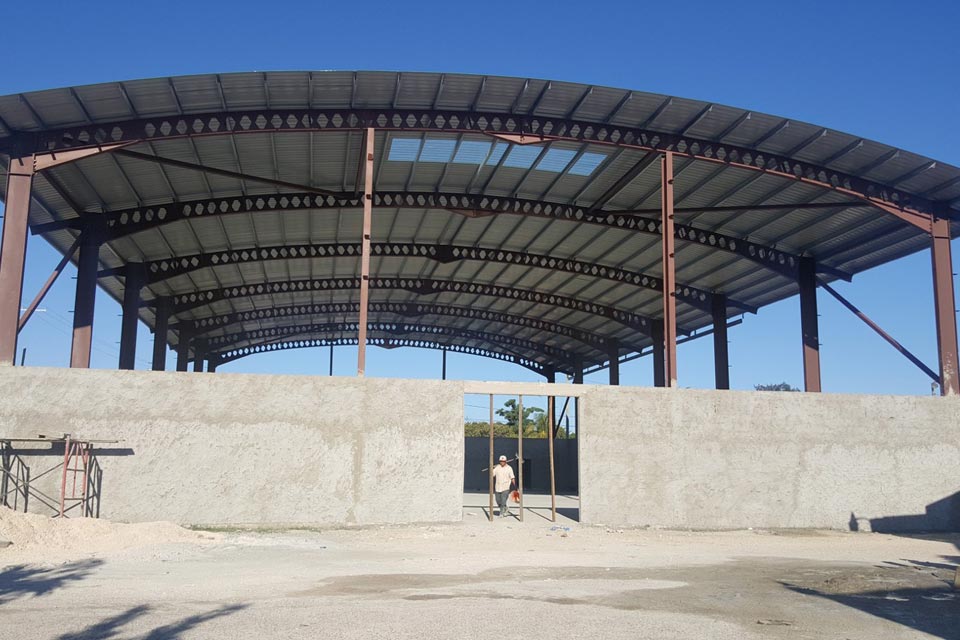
553, 482
490, 468
520, 453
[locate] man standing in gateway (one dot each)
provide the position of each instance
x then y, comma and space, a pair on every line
503, 479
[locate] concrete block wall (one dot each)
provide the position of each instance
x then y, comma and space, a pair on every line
279, 450
733, 459
252, 449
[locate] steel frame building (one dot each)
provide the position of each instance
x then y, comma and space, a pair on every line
558, 226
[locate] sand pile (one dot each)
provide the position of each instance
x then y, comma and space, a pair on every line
31, 531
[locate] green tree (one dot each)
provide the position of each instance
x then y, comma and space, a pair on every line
509, 414
780, 386
482, 430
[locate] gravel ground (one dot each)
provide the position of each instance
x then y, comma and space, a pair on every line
476, 579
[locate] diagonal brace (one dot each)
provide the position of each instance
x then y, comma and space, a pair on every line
883, 334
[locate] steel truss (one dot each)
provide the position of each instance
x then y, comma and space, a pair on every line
422, 286
127, 222
386, 343
31, 153
203, 326
167, 268
527, 129
233, 341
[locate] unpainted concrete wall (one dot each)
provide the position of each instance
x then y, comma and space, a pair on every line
252, 449
256, 449
732, 459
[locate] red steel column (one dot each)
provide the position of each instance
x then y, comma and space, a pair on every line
86, 296
133, 282
721, 357
160, 334
809, 324
365, 254
13, 254
614, 356
667, 242
659, 367
945, 303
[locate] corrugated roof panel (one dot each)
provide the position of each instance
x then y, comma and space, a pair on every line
150, 97
929, 178
331, 89
677, 115
559, 99
417, 90
856, 238
181, 236
146, 179
101, 175
793, 137
759, 126
638, 109
54, 207
240, 230
54, 108
534, 184
292, 158
374, 89
287, 89
903, 163
459, 91
104, 102
15, 112
714, 122
499, 93
201, 94
334, 160
244, 90
296, 226
599, 104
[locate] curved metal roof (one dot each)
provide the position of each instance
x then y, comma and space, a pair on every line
514, 217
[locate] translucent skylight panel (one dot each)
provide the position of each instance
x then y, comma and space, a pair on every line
472, 152
437, 150
498, 150
521, 157
587, 164
404, 149
556, 160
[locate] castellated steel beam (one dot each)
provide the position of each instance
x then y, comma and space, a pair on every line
430, 342
522, 348
164, 269
126, 222
526, 129
406, 309
421, 286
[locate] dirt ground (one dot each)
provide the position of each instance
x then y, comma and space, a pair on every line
477, 579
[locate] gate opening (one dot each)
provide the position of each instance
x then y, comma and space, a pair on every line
538, 436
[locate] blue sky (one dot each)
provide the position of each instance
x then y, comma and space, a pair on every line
882, 70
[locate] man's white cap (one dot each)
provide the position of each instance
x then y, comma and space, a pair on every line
503, 457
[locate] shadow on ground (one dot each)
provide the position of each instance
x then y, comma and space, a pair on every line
915, 594
17, 581
110, 627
